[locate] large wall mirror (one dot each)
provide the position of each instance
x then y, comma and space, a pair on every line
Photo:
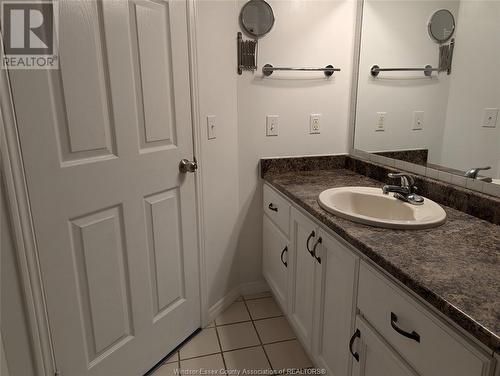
429, 84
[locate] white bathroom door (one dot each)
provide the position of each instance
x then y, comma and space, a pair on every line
114, 218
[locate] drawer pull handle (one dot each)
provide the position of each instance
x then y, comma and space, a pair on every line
272, 207
357, 334
281, 257
311, 235
413, 335
319, 241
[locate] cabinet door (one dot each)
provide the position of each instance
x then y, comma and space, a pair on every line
302, 263
335, 305
375, 357
275, 259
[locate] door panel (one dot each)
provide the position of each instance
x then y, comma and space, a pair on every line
304, 232
165, 252
114, 219
153, 69
85, 123
102, 279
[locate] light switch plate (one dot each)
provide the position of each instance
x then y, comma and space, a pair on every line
380, 123
418, 120
272, 125
315, 124
490, 117
211, 126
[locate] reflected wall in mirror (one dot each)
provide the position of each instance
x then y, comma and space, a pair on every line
447, 121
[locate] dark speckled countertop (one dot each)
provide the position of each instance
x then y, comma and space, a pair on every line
454, 267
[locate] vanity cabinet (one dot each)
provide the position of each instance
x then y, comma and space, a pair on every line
275, 259
352, 318
427, 344
275, 246
334, 304
373, 355
304, 240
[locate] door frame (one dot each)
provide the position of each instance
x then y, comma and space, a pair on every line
12, 165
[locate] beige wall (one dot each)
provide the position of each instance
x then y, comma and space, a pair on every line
474, 86
306, 33
216, 48
395, 35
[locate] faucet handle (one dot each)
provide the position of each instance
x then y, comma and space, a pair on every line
407, 180
473, 172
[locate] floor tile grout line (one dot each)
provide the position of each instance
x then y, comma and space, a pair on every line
258, 336
220, 347
260, 345
241, 322
267, 318
261, 297
200, 356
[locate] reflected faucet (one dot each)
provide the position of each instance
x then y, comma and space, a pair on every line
405, 191
473, 172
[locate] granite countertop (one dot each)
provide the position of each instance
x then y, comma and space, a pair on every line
454, 267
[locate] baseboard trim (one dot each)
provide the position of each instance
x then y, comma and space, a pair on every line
254, 287
231, 296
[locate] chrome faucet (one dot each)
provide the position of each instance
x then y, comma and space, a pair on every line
404, 192
473, 172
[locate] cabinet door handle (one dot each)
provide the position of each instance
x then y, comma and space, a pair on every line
319, 241
272, 207
281, 257
357, 334
413, 335
311, 235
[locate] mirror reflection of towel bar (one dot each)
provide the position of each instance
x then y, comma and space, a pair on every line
268, 69
428, 69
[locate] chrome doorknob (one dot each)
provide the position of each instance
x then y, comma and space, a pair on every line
185, 165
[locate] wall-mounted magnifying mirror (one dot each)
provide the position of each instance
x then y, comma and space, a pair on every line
441, 25
257, 18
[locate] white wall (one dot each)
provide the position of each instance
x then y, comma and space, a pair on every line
466, 143
217, 23
306, 33
395, 35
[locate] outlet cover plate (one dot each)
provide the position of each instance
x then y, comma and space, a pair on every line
380, 123
315, 124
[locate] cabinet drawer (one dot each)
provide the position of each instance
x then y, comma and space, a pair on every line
277, 208
434, 348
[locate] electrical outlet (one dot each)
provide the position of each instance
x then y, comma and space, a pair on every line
315, 124
490, 117
380, 123
272, 125
211, 126
418, 120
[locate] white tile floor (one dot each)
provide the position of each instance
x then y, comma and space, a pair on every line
250, 334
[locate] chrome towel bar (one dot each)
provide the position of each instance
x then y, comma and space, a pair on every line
428, 69
268, 69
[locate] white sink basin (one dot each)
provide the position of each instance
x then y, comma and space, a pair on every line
371, 207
